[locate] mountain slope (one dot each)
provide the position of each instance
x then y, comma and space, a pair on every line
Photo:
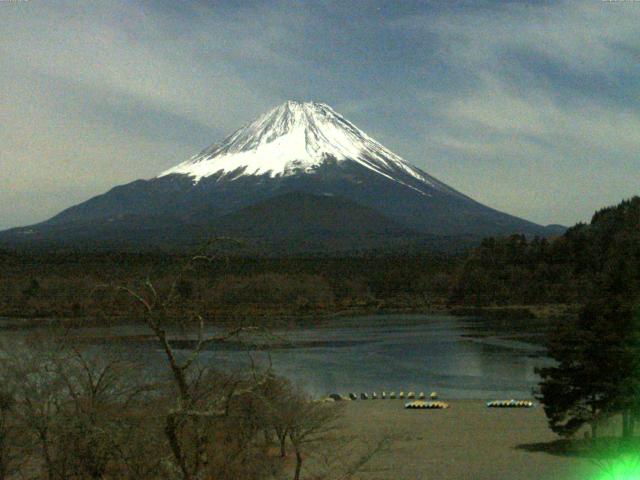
293, 222
298, 215
296, 147
301, 222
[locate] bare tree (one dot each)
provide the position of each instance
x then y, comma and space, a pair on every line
196, 407
279, 409
76, 409
38, 396
310, 422
101, 392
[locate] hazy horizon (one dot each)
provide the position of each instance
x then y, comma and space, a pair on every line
530, 107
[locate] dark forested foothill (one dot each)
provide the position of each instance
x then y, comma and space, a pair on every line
595, 268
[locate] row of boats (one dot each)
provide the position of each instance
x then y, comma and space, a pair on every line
493, 404
421, 404
384, 396
510, 404
420, 400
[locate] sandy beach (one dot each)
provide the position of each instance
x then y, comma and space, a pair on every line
466, 441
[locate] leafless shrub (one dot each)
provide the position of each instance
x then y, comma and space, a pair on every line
76, 410
196, 425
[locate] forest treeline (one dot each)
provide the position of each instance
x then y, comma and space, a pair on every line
510, 271
566, 269
64, 284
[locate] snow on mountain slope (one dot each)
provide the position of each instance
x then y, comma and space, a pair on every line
263, 175
298, 137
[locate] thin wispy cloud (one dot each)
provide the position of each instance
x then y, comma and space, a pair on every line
529, 108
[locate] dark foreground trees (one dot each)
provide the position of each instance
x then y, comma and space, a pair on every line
598, 354
9, 434
597, 374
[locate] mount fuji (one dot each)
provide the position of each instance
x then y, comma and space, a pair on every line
301, 174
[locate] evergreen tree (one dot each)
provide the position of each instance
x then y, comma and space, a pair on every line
597, 371
598, 355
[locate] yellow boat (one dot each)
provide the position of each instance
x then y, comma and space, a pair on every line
510, 404
419, 404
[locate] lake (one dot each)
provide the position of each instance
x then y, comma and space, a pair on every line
461, 358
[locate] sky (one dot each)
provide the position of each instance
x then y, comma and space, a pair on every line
532, 108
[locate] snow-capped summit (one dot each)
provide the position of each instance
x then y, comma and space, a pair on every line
293, 138
299, 175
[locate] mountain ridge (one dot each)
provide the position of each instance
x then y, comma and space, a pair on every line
295, 147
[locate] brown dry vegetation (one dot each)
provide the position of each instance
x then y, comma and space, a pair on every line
66, 413
72, 413
64, 285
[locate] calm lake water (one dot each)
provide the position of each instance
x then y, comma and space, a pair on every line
458, 357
